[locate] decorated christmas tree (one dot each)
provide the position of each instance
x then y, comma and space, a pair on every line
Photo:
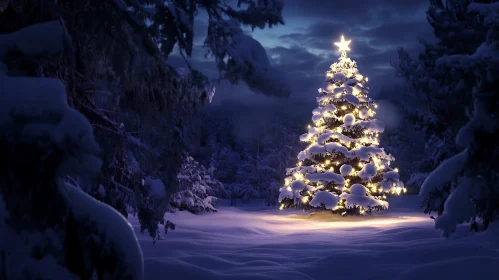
342, 169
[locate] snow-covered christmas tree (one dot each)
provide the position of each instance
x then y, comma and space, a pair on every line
198, 189
342, 169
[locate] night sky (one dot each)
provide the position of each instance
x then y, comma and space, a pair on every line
303, 48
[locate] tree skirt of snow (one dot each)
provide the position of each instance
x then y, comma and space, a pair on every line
324, 197
258, 242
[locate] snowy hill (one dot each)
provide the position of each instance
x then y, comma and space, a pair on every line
257, 242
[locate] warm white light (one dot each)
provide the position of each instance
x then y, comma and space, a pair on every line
343, 45
298, 176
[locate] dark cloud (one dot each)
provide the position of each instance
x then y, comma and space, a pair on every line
398, 33
304, 48
292, 57
305, 70
354, 11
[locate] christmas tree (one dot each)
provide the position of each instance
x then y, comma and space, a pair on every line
342, 169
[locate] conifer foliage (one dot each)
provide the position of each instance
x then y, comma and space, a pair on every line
464, 188
342, 169
198, 190
50, 228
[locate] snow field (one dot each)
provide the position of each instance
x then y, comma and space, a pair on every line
258, 242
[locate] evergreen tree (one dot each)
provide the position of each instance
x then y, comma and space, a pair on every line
141, 107
343, 169
250, 161
443, 88
50, 228
197, 188
465, 186
239, 57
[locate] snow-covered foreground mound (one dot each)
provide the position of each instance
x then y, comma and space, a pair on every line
256, 242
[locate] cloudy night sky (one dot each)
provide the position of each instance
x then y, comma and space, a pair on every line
303, 48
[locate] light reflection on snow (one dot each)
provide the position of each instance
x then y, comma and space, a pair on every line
247, 242
289, 223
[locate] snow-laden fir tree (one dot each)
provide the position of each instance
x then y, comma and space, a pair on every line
198, 190
342, 169
49, 228
440, 92
470, 179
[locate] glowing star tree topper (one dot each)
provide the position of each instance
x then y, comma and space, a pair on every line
343, 168
343, 46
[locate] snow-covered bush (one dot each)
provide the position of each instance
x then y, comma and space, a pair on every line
473, 174
49, 228
196, 188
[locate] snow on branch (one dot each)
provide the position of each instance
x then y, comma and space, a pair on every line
240, 57
43, 38
258, 14
448, 170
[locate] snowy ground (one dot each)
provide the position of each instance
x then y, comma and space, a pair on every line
257, 242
